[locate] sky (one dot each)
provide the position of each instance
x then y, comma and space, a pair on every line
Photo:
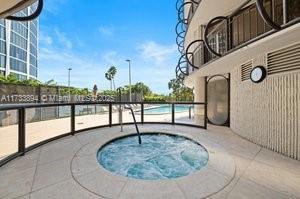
90, 36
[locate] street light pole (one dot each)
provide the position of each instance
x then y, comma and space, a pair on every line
129, 62
69, 82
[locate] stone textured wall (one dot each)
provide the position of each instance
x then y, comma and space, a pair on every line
268, 113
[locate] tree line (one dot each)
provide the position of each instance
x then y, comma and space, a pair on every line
178, 92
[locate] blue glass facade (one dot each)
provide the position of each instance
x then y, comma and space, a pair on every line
18, 47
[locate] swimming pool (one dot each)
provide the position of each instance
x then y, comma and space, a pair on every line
160, 156
166, 109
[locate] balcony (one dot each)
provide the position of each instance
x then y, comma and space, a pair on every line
224, 35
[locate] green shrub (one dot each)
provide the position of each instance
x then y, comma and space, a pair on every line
154, 98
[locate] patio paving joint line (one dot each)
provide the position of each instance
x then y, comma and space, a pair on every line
35, 172
179, 187
231, 180
122, 189
73, 177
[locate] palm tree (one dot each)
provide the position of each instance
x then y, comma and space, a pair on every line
109, 78
113, 72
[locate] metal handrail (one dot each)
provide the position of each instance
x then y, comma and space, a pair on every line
134, 121
21, 112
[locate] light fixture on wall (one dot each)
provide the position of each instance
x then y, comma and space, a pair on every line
258, 74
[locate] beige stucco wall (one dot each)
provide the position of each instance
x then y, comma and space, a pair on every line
268, 113
199, 96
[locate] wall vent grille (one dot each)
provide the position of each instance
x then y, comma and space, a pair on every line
246, 70
284, 60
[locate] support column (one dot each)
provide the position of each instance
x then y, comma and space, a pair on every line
199, 96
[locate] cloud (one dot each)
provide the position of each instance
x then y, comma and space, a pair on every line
107, 31
54, 6
62, 38
45, 39
150, 57
151, 50
55, 62
112, 58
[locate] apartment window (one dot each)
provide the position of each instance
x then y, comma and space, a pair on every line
2, 61
33, 29
18, 65
2, 22
33, 61
2, 47
19, 28
35, 23
2, 32
217, 39
18, 53
33, 39
33, 71
33, 50
293, 9
18, 40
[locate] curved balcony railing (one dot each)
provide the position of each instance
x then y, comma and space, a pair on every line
182, 68
181, 11
190, 55
180, 30
26, 127
220, 32
32, 16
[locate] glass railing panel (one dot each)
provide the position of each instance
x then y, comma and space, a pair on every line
46, 123
158, 113
126, 113
190, 114
88, 116
8, 133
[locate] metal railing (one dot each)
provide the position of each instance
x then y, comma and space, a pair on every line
22, 126
211, 53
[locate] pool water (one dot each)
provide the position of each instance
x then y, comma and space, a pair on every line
160, 156
165, 109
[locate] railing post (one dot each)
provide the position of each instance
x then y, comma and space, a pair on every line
142, 113
173, 113
285, 12
110, 115
73, 119
22, 130
205, 106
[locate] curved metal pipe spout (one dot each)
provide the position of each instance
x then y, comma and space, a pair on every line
136, 126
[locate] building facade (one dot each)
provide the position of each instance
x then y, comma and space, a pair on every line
19, 47
224, 46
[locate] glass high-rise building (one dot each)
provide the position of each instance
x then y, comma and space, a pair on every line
19, 47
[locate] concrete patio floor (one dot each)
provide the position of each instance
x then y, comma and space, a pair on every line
52, 170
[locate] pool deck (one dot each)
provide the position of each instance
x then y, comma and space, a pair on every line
68, 168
